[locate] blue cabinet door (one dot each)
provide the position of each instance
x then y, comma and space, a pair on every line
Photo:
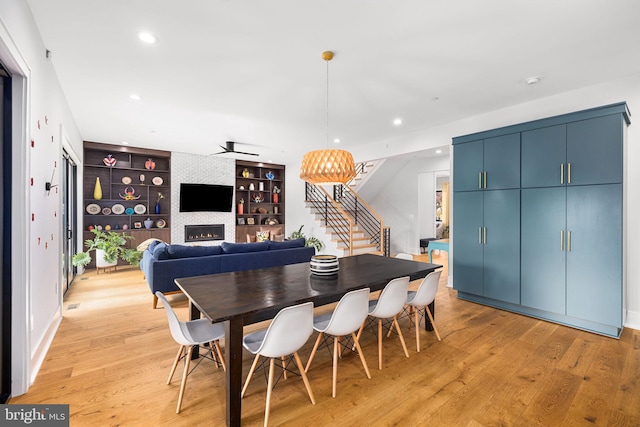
594, 258
544, 246
502, 162
467, 251
594, 150
502, 245
467, 166
544, 153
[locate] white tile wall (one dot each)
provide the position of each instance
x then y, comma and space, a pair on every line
197, 169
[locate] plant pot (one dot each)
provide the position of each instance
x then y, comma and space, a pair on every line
100, 262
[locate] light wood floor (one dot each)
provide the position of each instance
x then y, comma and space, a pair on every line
112, 354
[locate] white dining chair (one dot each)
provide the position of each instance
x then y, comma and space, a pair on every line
189, 334
403, 255
388, 306
287, 333
422, 298
346, 318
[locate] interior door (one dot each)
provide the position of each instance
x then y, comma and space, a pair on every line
69, 222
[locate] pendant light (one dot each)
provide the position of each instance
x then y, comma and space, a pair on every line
327, 166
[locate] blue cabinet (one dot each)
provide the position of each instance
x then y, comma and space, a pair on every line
487, 164
548, 242
487, 242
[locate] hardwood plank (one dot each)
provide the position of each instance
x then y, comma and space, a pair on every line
111, 357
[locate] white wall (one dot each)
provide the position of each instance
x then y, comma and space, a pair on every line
37, 301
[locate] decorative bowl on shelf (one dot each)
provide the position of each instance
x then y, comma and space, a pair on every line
157, 180
93, 209
117, 209
139, 208
161, 223
324, 265
129, 211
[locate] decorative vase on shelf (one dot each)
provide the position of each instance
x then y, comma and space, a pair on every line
148, 223
275, 197
97, 190
251, 187
240, 208
261, 186
157, 208
245, 173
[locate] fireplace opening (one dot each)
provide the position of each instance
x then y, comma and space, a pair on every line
203, 233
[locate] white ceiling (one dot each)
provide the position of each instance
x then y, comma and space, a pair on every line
251, 70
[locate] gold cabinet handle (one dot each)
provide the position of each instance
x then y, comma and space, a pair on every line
485, 179
561, 173
569, 241
562, 240
569, 176
485, 235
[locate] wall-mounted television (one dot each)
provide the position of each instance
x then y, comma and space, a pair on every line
206, 198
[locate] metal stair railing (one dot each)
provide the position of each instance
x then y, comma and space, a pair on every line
363, 216
333, 215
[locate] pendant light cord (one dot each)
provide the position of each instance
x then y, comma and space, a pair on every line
327, 137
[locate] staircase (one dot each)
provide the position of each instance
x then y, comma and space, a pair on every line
364, 170
353, 226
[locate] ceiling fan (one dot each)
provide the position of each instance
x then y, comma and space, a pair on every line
229, 148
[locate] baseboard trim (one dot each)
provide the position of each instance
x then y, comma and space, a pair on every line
633, 320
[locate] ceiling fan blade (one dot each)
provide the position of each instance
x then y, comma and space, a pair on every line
249, 154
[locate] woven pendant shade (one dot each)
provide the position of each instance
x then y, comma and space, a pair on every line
327, 167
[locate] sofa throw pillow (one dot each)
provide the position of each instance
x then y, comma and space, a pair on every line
148, 244
160, 251
238, 248
186, 251
262, 236
287, 244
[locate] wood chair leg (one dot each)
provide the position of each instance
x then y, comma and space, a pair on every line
269, 387
251, 371
284, 366
362, 359
404, 346
155, 301
221, 355
296, 357
411, 310
432, 322
185, 373
417, 332
359, 334
175, 363
380, 344
313, 352
335, 367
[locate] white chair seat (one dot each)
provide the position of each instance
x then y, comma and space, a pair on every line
189, 334
422, 298
350, 312
288, 331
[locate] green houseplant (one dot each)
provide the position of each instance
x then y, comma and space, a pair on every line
309, 241
112, 246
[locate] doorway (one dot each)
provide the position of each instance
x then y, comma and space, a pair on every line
69, 205
5, 235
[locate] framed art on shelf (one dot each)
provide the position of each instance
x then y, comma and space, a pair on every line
250, 221
240, 221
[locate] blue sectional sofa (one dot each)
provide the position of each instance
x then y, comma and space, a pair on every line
162, 263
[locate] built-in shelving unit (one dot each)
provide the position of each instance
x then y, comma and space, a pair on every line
131, 180
261, 187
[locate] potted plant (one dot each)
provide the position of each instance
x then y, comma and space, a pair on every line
309, 241
109, 246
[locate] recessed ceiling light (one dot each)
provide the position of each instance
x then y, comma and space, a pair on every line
435, 98
135, 97
125, 143
397, 122
438, 151
147, 37
337, 141
532, 80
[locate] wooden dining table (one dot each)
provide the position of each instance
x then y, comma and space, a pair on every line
245, 297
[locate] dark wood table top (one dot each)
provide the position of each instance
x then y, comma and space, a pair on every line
257, 295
